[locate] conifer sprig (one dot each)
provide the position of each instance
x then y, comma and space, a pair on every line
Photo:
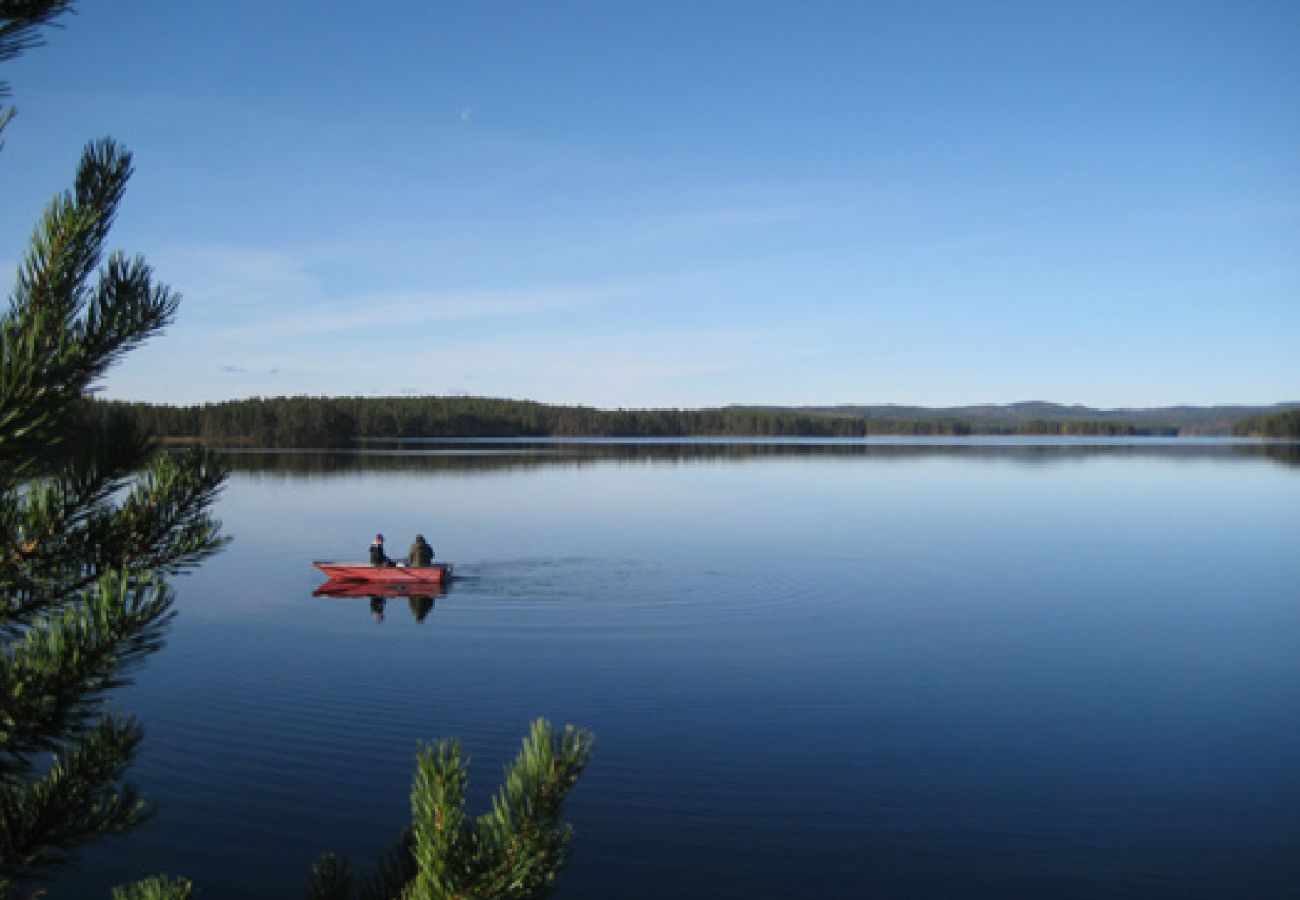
78, 798
58, 335
91, 519
515, 850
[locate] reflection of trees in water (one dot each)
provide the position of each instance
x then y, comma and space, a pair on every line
1287, 454
488, 456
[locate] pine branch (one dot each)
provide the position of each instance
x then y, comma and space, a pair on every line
54, 680
165, 517
522, 839
83, 538
78, 798
158, 888
64, 538
396, 869
331, 878
57, 336
515, 851
46, 530
20, 22
443, 850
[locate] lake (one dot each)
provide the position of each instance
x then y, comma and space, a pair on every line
894, 668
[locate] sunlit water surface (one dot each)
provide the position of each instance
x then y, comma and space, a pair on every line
896, 669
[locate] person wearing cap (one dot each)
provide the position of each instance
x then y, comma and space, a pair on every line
377, 555
420, 554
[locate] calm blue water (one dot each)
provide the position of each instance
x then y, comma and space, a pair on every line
917, 669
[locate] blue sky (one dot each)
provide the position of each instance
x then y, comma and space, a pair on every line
692, 203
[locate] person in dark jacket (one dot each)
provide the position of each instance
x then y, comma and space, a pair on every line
377, 555
421, 554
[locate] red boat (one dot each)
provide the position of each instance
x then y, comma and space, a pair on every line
357, 572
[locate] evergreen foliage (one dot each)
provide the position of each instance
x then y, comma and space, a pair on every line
157, 889
91, 521
515, 850
20, 24
341, 421
1279, 425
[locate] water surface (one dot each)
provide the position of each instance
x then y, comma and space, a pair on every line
980, 668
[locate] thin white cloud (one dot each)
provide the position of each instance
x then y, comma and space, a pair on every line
402, 309
665, 365
245, 293
602, 369
229, 369
232, 280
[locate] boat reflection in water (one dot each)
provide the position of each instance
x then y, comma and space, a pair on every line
420, 598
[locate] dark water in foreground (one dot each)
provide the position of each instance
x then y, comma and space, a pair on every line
980, 669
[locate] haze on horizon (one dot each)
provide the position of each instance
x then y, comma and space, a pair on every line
690, 205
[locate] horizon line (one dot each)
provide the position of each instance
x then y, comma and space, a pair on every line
1281, 404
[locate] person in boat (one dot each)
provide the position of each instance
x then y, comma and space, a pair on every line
377, 555
421, 554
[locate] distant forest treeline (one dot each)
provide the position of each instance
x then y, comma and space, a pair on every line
341, 421
1278, 425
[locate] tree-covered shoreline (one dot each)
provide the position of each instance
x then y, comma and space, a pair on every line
1284, 424
343, 421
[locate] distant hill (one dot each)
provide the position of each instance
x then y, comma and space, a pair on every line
1184, 420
